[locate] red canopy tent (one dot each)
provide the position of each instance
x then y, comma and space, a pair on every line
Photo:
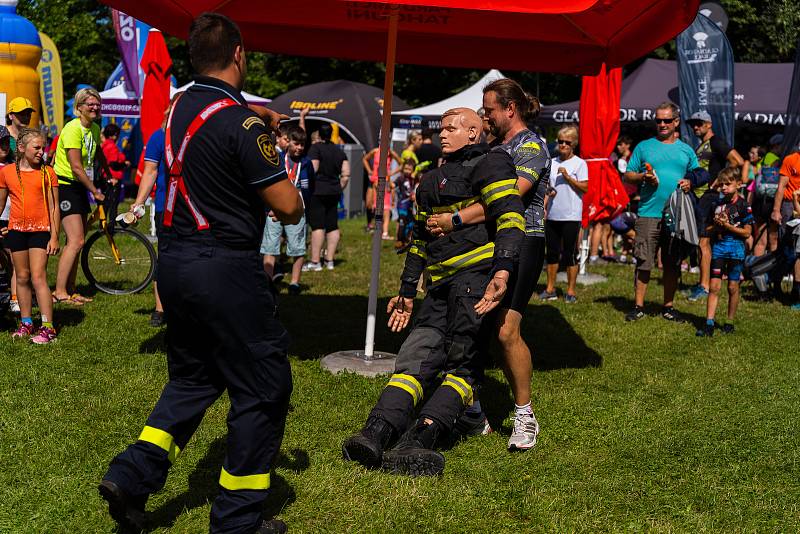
571, 36
574, 36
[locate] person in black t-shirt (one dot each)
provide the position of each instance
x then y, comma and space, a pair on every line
332, 174
222, 327
429, 155
713, 155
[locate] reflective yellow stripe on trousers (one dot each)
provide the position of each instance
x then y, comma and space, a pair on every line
246, 482
461, 386
407, 383
161, 439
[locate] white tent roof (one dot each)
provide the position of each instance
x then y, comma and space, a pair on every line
472, 97
117, 92
251, 99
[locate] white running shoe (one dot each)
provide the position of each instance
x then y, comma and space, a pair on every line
329, 265
526, 429
312, 266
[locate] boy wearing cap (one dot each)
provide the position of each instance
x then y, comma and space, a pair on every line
713, 155
19, 114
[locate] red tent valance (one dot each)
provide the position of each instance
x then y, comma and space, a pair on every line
573, 36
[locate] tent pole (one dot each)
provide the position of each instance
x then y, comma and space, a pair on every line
388, 89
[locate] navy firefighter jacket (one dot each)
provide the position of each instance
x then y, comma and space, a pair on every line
475, 173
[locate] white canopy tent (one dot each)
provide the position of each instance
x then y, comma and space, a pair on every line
430, 116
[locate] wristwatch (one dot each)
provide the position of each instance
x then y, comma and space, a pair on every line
456, 220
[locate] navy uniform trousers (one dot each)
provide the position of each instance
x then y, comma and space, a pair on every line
443, 357
222, 334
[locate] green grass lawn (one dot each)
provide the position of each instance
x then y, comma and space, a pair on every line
644, 426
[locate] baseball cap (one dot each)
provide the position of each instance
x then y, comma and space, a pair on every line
776, 139
700, 116
19, 104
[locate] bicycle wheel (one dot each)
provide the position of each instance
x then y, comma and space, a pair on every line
131, 274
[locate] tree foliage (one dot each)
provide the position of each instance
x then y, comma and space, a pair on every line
759, 31
84, 35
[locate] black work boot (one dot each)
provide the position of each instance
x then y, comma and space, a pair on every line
127, 511
414, 455
272, 526
367, 446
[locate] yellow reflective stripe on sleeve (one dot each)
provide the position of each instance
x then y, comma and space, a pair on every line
457, 206
512, 190
407, 383
510, 220
418, 248
246, 482
452, 265
461, 386
494, 189
421, 216
161, 439
418, 252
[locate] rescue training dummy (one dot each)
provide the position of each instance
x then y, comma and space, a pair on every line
466, 273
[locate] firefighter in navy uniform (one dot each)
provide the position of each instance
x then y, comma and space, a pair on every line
442, 357
222, 327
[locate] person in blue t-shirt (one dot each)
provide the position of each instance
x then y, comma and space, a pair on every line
660, 164
155, 174
731, 224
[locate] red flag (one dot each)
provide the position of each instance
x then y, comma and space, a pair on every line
157, 66
599, 112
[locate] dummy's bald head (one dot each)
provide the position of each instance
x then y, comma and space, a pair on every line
468, 117
460, 127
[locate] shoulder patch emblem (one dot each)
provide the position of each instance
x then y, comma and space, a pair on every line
531, 148
267, 149
250, 121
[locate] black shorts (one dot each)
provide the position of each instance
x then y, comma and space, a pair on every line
522, 283
18, 241
762, 208
73, 199
562, 240
323, 212
702, 211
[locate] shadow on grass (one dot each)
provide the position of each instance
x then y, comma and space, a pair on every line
553, 341
155, 343
624, 305
68, 316
203, 486
322, 324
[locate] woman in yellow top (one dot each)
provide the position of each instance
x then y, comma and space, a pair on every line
74, 164
410, 151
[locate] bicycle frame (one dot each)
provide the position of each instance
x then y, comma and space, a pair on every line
99, 216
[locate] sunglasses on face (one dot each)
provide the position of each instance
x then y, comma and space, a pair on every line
665, 121
564, 142
92, 106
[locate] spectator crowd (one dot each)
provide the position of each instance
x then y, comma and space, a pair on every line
741, 208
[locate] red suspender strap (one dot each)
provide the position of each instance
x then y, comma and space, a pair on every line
175, 162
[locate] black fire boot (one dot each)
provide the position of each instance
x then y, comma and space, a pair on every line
127, 511
414, 455
367, 446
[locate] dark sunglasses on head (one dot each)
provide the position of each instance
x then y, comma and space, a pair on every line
665, 121
564, 142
